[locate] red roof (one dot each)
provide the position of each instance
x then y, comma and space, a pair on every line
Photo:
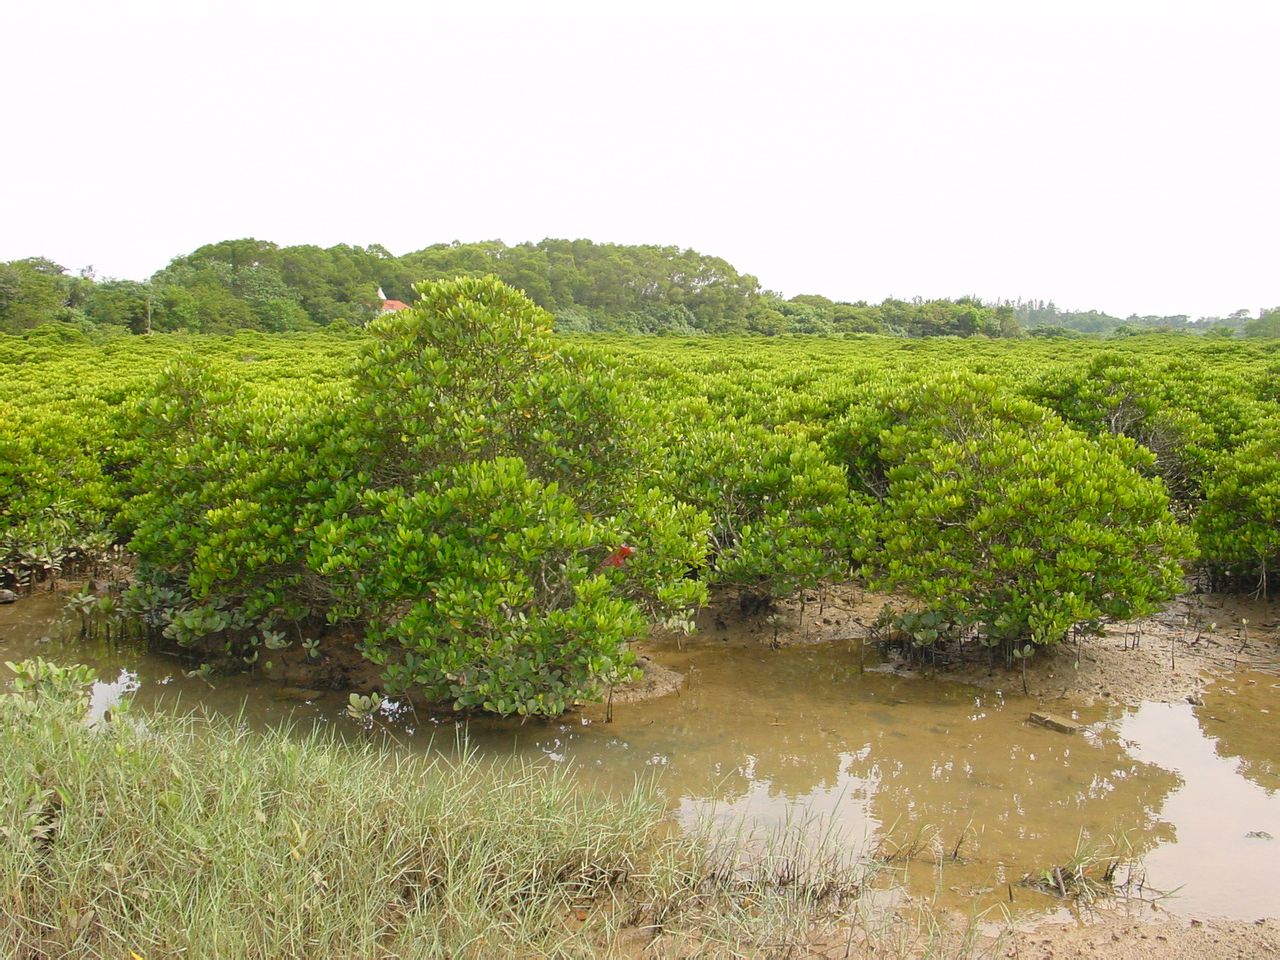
391, 306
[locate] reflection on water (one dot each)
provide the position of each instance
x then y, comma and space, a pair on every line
1227, 825
105, 696
1242, 715
770, 737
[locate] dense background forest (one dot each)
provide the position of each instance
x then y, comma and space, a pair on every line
589, 287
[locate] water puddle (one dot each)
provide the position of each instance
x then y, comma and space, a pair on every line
952, 775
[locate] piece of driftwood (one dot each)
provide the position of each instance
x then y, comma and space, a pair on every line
1053, 722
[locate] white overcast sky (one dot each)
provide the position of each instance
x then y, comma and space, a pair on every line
1123, 156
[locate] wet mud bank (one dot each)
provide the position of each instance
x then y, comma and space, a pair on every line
1165, 658
1169, 657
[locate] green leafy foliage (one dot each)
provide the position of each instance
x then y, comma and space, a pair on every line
779, 508
37, 291
502, 476
454, 482
44, 678
1179, 416
1000, 518
459, 497
56, 492
589, 287
1239, 524
70, 432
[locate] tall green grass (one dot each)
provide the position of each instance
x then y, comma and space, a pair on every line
196, 837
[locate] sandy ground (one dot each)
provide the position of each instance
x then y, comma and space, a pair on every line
658, 681
1121, 939
1164, 658
908, 937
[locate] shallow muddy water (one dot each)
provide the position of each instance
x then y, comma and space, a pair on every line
952, 773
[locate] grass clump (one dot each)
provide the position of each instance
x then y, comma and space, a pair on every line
1097, 871
195, 836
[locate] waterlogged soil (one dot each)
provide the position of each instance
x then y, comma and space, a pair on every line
1166, 657
946, 784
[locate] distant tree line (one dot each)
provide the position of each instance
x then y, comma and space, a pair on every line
589, 288
1043, 318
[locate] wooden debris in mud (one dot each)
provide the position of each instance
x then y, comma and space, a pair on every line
1053, 722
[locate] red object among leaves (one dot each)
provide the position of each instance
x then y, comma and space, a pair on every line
392, 306
619, 556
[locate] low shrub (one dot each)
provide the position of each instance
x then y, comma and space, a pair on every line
1003, 522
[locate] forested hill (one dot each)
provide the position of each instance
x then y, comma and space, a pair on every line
254, 284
